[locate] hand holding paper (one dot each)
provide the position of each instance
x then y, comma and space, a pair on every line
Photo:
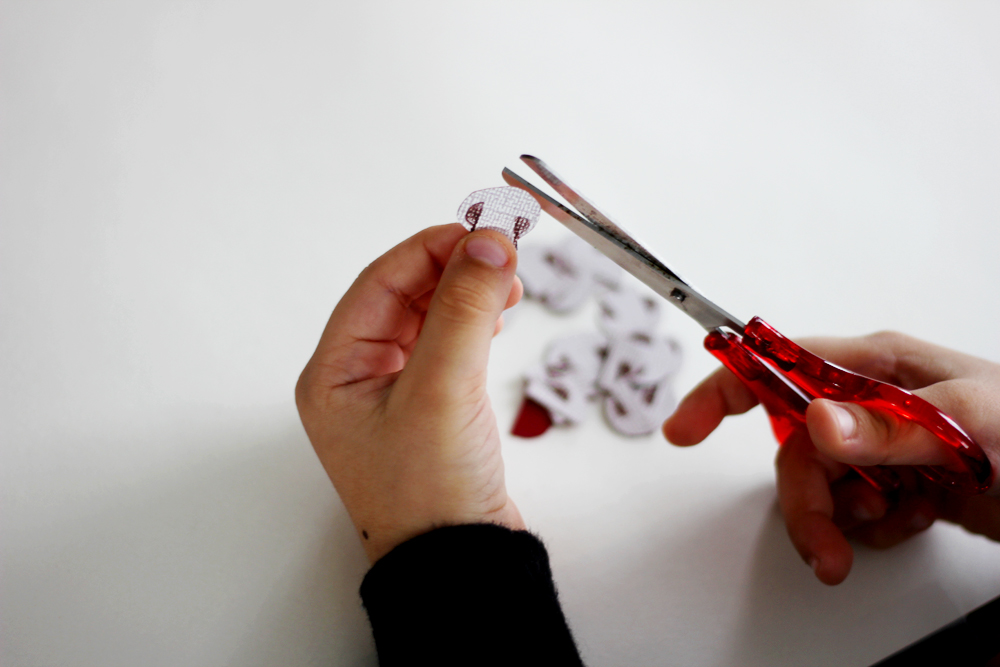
394, 398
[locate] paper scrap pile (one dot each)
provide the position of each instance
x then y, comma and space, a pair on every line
627, 366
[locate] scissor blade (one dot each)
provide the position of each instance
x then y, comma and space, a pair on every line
576, 200
634, 259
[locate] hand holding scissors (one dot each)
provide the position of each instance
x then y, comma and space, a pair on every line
820, 500
782, 375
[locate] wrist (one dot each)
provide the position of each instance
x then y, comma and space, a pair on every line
379, 537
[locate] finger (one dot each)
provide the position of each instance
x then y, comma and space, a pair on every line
895, 358
451, 353
856, 502
703, 409
913, 514
852, 434
807, 505
977, 514
379, 315
421, 304
516, 293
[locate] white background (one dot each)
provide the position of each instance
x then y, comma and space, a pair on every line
186, 189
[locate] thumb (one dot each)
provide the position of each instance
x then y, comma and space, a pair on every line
454, 344
850, 433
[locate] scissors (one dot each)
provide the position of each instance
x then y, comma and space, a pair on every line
784, 376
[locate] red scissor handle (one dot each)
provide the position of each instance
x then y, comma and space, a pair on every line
751, 356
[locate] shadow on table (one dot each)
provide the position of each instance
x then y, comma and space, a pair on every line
788, 617
729, 589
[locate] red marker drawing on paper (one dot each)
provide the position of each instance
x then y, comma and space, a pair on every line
510, 211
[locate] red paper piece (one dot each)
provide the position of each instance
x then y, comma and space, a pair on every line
533, 420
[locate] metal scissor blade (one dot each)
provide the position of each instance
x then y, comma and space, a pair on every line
634, 259
576, 200
590, 211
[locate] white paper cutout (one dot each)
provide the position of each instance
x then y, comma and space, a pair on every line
564, 398
563, 275
628, 366
636, 379
578, 356
508, 210
638, 410
566, 382
639, 360
548, 277
625, 312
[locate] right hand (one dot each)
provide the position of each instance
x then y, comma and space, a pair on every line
820, 500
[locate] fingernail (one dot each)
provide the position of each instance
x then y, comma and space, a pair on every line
487, 250
814, 564
845, 420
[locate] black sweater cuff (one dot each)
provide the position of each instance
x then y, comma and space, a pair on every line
478, 594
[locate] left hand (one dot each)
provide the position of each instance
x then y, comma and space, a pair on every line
394, 398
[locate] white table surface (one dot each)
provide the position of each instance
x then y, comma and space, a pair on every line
186, 189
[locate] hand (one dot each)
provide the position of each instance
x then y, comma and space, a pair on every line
394, 398
820, 498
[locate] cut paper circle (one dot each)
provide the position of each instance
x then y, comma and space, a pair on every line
625, 312
627, 366
565, 398
637, 410
578, 356
563, 275
510, 211
639, 360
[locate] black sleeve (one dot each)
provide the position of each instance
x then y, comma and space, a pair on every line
467, 595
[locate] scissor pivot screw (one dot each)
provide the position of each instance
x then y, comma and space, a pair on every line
678, 294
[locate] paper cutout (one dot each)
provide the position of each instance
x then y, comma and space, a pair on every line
627, 366
510, 211
639, 360
578, 357
532, 420
563, 275
625, 312
631, 376
636, 379
638, 410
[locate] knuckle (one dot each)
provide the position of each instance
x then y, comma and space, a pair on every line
466, 299
882, 429
888, 339
307, 391
894, 344
371, 269
961, 399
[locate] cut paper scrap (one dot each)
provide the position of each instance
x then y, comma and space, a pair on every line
510, 211
631, 377
634, 409
626, 365
639, 360
533, 420
625, 312
564, 274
